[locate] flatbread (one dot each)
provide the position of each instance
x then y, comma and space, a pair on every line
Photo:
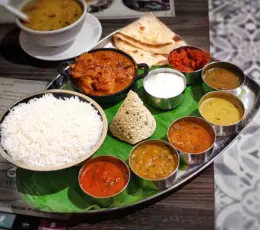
148, 30
133, 121
159, 49
139, 55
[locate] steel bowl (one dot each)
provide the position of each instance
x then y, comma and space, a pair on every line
228, 129
191, 77
164, 103
201, 157
224, 65
64, 69
105, 158
164, 182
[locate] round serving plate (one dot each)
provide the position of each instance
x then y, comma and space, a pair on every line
84, 41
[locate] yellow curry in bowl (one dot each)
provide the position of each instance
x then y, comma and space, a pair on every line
221, 109
47, 15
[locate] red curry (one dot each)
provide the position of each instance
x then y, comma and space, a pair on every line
103, 73
188, 59
103, 178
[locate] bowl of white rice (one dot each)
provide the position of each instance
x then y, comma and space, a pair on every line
52, 130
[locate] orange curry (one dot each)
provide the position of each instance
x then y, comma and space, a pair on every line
190, 137
103, 73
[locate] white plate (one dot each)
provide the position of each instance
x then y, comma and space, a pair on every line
85, 40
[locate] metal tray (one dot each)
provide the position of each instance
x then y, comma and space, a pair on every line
251, 98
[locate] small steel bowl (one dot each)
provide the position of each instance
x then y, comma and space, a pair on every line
195, 158
191, 77
228, 129
228, 66
164, 182
164, 103
105, 158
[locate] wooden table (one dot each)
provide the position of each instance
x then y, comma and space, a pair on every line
193, 205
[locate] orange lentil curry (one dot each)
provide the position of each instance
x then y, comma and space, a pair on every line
190, 137
103, 73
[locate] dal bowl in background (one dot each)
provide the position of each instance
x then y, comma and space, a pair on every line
56, 37
68, 163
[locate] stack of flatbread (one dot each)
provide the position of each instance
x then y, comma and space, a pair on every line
147, 40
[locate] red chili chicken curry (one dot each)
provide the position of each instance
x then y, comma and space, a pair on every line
103, 73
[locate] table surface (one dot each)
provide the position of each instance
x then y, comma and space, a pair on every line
192, 205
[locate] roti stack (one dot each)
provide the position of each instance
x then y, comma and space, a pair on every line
147, 40
133, 121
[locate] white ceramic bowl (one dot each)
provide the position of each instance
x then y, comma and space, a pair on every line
55, 37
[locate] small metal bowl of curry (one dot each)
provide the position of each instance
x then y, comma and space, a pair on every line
193, 137
190, 61
106, 74
104, 176
156, 161
223, 76
223, 110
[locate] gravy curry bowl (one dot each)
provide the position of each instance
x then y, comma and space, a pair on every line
104, 99
223, 110
57, 37
193, 137
156, 161
104, 176
223, 76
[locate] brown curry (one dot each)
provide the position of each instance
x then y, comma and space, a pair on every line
103, 73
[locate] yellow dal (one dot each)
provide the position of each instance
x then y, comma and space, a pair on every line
220, 111
46, 15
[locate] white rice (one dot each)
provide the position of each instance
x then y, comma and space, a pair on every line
48, 132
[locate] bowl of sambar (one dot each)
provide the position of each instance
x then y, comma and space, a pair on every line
52, 23
223, 76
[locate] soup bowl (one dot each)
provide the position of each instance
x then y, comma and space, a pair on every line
57, 37
200, 156
223, 129
64, 69
227, 66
